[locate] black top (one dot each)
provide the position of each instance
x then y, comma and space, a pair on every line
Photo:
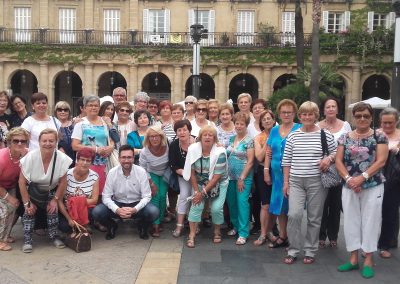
176, 155
6, 119
16, 121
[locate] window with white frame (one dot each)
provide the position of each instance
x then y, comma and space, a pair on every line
288, 21
245, 27
156, 26
335, 22
111, 26
205, 18
22, 24
67, 25
376, 20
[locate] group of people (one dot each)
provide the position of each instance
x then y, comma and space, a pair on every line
256, 169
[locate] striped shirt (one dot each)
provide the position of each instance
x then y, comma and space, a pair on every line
303, 152
77, 188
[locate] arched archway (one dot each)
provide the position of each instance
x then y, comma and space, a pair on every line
283, 81
108, 81
157, 85
207, 86
243, 83
25, 83
68, 87
376, 86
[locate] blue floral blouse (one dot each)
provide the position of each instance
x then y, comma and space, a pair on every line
237, 157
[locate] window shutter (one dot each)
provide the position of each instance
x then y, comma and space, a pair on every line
190, 18
346, 21
390, 19
325, 20
22, 22
211, 27
370, 21
166, 25
145, 25
67, 22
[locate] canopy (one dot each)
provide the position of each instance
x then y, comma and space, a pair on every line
375, 102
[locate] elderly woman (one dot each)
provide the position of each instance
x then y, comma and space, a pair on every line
40, 120
177, 157
257, 108
167, 124
153, 109
273, 173
226, 129
389, 119
213, 111
135, 138
206, 169
360, 157
302, 162
201, 110
124, 125
244, 101
190, 101
92, 133
19, 112
63, 114
154, 159
141, 100
331, 217
17, 142
4, 117
240, 171
47, 168
83, 188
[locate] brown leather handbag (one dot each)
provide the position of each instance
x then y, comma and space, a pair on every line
79, 240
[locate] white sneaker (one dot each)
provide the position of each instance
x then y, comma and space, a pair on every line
27, 248
58, 244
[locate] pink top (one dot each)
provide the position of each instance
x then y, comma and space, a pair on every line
9, 171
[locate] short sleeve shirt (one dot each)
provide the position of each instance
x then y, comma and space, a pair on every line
202, 168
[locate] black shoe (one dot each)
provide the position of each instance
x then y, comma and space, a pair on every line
143, 234
207, 223
111, 231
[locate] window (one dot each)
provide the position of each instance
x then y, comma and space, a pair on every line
67, 25
376, 20
335, 22
22, 24
288, 28
156, 26
207, 19
245, 27
111, 26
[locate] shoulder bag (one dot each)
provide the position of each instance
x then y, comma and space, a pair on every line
330, 178
79, 240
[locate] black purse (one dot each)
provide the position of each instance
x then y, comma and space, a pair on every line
392, 169
38, 196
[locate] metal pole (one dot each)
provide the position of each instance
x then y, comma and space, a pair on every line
395, 94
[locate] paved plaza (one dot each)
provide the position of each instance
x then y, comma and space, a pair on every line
128, 259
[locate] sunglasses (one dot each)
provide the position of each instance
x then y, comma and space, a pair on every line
124, 110
18, 141
62, 110
364, 116
201, 110
188, 103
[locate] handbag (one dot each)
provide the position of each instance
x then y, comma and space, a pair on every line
392, 169
79, 240
171, 178
330, 178
38, 196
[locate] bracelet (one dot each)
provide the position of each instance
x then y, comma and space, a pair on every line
347, 179
5, 196
266, 168
26, 203
347, 176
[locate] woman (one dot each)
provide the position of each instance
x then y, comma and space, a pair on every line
331, 217
189, 107
201, 110
107, 113
389, 118
135, 138
19, 112
302, 162
154, 159
124, 126
226, 129
177, 156
360, 157
4, 117
152, 107
46, 167
257, 108
178, 112
167, 124
17, 142
213, 111
39, 120
240, 171
206, 169
83, 189
244, 101
273, 174
92, 133
267, 121
63, 114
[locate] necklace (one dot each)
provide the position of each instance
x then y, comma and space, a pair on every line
283, 131
330, 126
11, 157
236, 142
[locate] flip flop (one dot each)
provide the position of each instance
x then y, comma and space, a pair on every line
5, 247
289, 259
308, 260
217, 239
190, 243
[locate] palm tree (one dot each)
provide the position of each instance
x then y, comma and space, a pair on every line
316, 18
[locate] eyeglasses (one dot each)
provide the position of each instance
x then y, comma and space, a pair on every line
201, 110
286, 113
18, 141
189, 103
62, 110
154, 136
124, 110
92, 106
150, 106
362, 116
119, 95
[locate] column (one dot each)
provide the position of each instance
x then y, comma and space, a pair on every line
88, 82
44, 14
133, 82
134, 14
3, 85
44, 85
2, 8
355, 95
89, 11
178, 95
267, 88
222, 94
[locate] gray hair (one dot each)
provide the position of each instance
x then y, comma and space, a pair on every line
119, 89
90, 98
390, 111
141, 96
191, 99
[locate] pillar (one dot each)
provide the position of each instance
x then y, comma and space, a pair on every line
89, 12
88, 81
222, 94
267, 87
44, 14
178, 95
133, 82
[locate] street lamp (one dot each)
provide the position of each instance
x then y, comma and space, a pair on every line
395, 96
197, 32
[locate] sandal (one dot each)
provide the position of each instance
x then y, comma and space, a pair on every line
217, 239
321, 244
177, 232
5, 247
333, 244
232, 233
289, 259
385, 254
279, 243
308, 260
190, 242
241, 241
271, 237
10, 240
260, 241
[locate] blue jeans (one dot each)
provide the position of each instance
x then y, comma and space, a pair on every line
145, 216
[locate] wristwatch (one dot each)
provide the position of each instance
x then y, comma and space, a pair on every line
365, 175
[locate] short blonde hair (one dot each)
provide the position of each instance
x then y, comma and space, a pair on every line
286, 102
240, 116
48, 131
208, 128
157, 129
309, 107
62, 104
227, 106
245, 95
200, 102
16, 131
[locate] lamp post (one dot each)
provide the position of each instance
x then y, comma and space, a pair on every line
395, 95
196, 33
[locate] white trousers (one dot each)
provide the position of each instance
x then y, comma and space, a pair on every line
362, 218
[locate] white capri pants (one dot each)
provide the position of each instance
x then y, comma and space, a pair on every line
185, 191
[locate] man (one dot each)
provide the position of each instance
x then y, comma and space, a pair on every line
126, 195
119, 96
